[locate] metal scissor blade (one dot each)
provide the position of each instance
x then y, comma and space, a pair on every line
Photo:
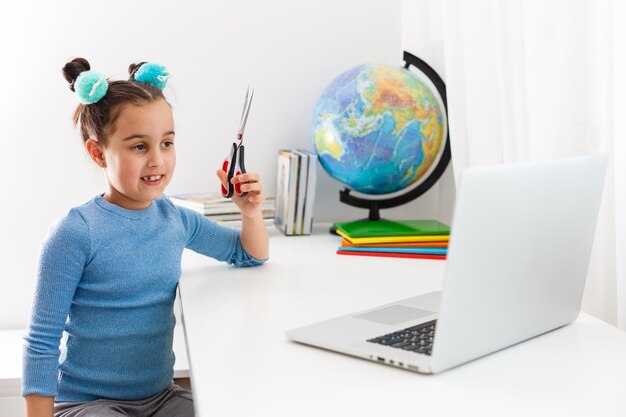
246, 111
245, 103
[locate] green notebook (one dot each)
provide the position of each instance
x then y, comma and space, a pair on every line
366, 228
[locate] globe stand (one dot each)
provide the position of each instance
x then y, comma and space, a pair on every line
374, 205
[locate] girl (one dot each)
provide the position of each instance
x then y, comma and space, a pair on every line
109, 268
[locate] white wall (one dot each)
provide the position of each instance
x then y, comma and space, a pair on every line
288, 51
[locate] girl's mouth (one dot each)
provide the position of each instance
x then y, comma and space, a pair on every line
152, 180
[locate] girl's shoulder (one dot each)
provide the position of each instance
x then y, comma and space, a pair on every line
190, 219
167, 207
165, 202
74, 220
70, 227
77, 215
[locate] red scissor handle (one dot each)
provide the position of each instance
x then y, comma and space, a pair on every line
233, 165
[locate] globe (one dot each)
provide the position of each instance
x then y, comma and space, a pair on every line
379, 128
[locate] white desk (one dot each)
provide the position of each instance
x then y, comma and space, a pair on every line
242, 364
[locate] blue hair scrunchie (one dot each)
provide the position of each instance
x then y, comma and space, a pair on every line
154, 74
90, 86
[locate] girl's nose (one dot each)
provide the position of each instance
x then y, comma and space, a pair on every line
156, 159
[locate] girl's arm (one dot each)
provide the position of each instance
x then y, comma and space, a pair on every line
254, 237
63, 256
39, 406
248, 247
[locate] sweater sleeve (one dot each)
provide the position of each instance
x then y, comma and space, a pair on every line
211, 239
63, 256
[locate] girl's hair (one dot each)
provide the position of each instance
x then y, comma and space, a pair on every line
97, 120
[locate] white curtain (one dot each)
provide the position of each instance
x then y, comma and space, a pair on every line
538, 79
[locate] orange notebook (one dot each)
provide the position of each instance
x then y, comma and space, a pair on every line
345, 242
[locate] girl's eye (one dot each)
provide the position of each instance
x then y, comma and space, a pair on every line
168, 144
139, 147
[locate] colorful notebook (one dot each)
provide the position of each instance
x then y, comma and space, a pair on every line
366, 228
392, 255
422, 251
392, 239
345, 242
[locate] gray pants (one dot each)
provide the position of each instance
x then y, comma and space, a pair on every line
171, 402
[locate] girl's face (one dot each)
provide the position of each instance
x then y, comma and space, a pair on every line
139, 158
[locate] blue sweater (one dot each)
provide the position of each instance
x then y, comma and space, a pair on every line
107, 276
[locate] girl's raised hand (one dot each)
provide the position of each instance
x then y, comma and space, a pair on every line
250, 205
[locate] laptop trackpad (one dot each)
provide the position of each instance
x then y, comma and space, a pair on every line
394, 315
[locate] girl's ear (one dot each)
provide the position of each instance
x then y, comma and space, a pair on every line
96, 153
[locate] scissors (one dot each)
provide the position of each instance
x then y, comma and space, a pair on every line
233, 164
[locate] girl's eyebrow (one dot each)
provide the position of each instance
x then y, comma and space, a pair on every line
135, 136
143, 136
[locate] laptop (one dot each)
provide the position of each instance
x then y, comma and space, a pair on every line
518, 256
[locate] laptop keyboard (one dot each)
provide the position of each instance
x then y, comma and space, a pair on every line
417, 339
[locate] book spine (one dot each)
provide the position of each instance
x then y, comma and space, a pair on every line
293, 193
302, 191
310, 193
282, 188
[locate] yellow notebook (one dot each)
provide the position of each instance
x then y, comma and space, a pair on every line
393, 239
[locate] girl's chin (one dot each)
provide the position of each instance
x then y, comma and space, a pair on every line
146, 198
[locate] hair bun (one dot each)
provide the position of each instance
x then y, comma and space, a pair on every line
72, 70
91, 86
150, 73
132, 69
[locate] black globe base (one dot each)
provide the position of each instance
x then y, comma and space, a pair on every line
345, 197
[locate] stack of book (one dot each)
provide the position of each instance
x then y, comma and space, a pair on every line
222, 210
426, 239
295, 191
